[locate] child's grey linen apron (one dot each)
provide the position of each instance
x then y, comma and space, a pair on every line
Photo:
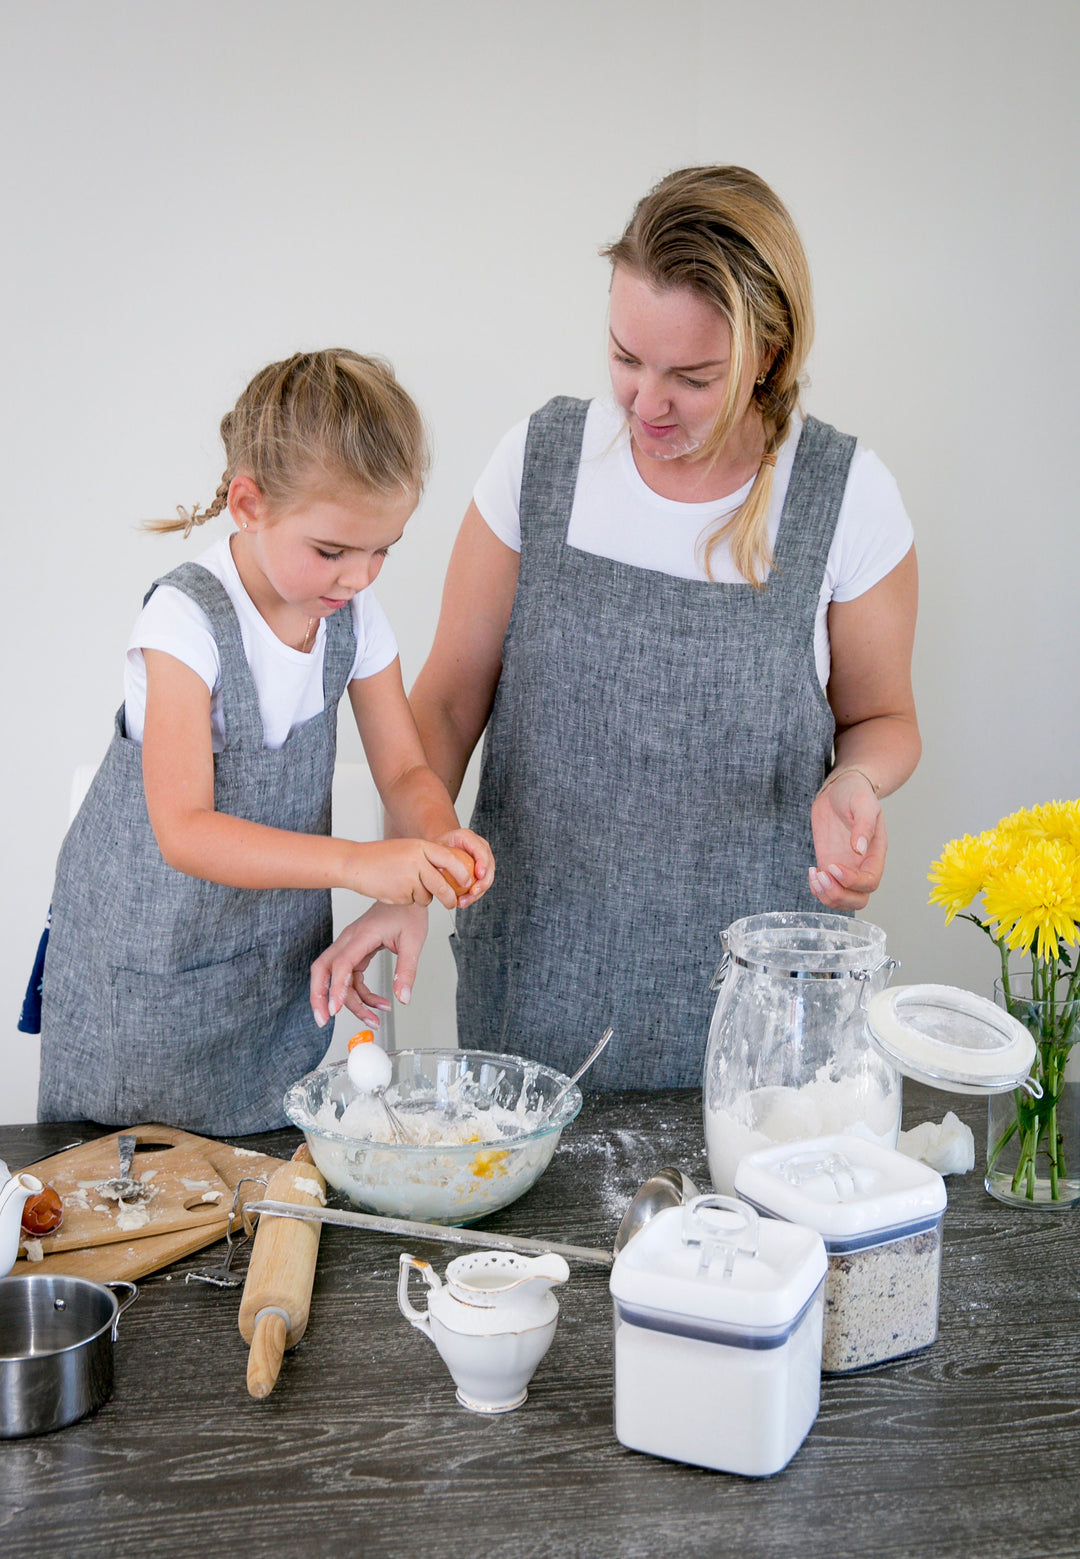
167, 998
653, 752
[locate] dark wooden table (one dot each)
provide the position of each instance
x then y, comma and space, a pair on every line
969, 1449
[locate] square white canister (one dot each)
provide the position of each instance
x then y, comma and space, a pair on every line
718, 1321
880, 1215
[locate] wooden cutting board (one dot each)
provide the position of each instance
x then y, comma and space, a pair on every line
186, 1168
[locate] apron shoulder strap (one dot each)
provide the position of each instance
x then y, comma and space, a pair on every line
339, 655
552, 457
811, 509
239, 696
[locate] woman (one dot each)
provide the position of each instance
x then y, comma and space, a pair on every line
685, 616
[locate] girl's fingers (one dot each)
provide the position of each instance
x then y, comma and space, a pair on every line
436, 886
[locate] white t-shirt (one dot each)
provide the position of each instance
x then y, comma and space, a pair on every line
289, 683
616, 515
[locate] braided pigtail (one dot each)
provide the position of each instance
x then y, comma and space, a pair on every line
747, 530
187, 519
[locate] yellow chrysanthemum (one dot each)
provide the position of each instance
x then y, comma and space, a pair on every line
959, 873
1034, 902
1052, 820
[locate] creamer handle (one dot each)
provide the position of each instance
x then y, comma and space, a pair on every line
418, 1318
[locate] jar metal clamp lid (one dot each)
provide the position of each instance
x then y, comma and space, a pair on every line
951, 1039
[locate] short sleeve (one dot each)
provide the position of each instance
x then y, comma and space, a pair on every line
873, 532
172, 622
498, 492
376, 645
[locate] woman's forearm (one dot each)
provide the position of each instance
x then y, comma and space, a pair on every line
886, 747
417, 802
447, 745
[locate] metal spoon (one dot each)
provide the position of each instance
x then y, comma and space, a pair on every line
669, 1187
582, 1069
122, 1188
448, 1234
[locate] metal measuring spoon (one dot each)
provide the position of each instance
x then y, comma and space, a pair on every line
122, 1188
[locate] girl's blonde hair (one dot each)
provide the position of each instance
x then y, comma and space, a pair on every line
318, 415
723, 233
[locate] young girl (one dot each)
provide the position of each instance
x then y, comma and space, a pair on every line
193, 889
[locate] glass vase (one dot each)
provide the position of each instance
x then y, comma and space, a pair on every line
1033, 1145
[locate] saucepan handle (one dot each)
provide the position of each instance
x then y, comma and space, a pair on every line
418, 1318
133, 1294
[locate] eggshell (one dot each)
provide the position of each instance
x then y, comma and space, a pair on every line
466, 860
369, 1067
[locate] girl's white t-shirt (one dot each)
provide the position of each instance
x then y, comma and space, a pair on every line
616, 515
289, 683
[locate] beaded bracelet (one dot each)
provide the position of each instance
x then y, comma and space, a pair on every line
851, 768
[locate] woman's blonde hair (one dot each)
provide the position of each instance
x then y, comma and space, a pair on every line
330, 415
724, 234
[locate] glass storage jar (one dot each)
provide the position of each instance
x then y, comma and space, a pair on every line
788, 1057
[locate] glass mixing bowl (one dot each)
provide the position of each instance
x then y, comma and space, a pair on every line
502, 1098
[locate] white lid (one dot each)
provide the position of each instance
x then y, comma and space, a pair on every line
841, 1186
949, 1038
716, 1260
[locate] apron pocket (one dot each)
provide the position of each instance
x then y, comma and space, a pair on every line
177, 1038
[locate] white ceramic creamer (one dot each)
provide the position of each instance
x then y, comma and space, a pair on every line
492, 1321
15, 1191
718, 1322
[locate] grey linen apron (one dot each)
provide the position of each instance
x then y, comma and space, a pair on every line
653, 751
166, 998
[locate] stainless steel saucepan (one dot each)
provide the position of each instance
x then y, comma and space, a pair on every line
56, 1349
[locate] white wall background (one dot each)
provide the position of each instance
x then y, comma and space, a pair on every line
192, 191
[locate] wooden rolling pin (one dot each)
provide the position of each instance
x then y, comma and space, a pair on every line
281, 1272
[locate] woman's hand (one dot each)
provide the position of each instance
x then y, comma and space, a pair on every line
877, 735
482, 859
337, 975
850, 842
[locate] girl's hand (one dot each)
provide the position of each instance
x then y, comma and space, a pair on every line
405, 871
850, 842
482, 859
337, 975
